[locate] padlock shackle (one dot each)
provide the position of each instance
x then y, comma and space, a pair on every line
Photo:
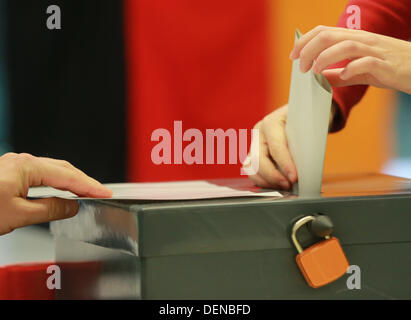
295, 228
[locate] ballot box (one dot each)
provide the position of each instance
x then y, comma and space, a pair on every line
237, 248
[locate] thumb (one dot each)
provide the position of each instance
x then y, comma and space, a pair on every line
45, 210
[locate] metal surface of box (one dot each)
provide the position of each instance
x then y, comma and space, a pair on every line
236, 248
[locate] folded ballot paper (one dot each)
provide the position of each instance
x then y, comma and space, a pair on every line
307, 124
179, 190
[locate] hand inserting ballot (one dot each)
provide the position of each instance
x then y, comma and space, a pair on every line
276, 166
18, 172
374, 59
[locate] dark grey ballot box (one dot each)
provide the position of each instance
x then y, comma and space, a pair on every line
236, 248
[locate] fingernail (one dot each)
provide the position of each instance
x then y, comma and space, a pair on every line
292, 54
108, 192
104, 192
100, 190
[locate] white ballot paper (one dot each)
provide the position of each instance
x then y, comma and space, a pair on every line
179, 190
308, 116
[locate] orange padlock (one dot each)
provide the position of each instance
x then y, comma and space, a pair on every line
323, 262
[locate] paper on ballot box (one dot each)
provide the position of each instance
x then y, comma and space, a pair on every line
174, 190
307, 124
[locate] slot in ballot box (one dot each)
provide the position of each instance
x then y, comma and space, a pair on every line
236, 248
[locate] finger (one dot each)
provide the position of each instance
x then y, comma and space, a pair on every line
304, 39
67, 165
278, 148
377, 68
324, 40
333, 77
43, 210
259, 181
271, 174
307, 37
42, 172
267, 169
347, 49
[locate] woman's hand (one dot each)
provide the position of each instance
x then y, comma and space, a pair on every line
376, 60
18, 172
276, 166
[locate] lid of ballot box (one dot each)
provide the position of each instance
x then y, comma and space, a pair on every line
365, 208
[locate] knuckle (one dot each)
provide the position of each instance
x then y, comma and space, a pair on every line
372, 62
271, 118
66, 164
275, 147
257, 125
9, 155
21, 160
325, 37
25, 157
322, 57
265, 120
350, 45
25, 163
